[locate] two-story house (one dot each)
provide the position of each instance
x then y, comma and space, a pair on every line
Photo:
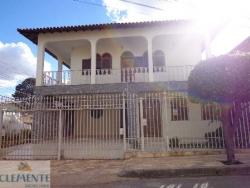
121, 87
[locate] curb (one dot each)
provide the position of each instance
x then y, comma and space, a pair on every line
188, 172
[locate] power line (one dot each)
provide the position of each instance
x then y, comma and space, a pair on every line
126, 1
101, 5
143, 5
90, 3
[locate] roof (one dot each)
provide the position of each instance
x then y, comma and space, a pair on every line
244, 46
32, 33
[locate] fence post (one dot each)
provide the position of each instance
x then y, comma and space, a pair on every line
1, 128
124, 121
142, 125
138, 125
59, 136
165, 120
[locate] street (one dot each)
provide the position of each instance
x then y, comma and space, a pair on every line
196, 182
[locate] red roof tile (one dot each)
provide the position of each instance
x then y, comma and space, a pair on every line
32, 33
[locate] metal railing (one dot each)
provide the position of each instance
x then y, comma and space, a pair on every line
57, 77
125, 75
105, 126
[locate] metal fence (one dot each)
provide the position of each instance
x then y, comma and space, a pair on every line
105, 126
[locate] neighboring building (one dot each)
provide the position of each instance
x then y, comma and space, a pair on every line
140, 67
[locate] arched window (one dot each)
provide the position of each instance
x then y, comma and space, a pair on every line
159, 58
106, 61
127, 59
98, 61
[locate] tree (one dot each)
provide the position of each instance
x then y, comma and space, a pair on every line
25, 89
226, 81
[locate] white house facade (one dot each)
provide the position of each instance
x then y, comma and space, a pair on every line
123, 87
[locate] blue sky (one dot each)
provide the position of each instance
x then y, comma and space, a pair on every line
32, 13
18, 55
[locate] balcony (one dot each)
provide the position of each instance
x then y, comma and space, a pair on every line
126, 75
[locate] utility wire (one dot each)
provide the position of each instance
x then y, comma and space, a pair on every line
126, 1
90, 3
102, 6
143, 5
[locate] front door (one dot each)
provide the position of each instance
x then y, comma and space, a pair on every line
152, 118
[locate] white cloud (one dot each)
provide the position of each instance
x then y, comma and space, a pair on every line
141, 10
122, 11
207, 12
17, 62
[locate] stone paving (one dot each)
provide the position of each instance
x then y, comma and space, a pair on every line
70, 173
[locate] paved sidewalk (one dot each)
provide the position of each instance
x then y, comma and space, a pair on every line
89, 172
203, 165
69, 173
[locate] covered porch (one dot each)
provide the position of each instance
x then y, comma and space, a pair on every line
113, 60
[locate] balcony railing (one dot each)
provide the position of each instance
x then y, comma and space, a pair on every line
172, 73
57, 77
125, 75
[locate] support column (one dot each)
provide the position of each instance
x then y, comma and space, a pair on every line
93, 61
150, 60
59, 70
40, 64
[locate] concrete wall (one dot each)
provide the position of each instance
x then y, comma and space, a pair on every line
146, 32
179, 49
193, 127
111, 88
106, 126
176, 48
77, 54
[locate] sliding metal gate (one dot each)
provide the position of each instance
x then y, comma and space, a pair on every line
63, 127
91, 127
